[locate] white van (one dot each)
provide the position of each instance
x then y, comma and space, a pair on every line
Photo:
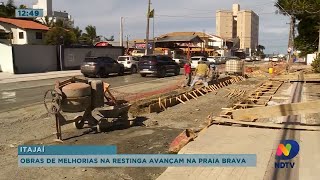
195, 60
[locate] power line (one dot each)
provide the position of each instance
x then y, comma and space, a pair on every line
204, 17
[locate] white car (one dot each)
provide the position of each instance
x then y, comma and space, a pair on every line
275, 59
212, 59
195, 60
130, 63
248, 59
266, 59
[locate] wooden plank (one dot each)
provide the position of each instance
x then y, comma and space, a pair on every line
277, 110
250, 105
267, 125
280, 98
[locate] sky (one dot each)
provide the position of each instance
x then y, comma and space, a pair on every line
171, 16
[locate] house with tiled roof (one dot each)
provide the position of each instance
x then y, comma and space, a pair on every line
19, 31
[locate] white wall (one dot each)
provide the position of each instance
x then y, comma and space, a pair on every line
310, 58
16, 39
6, 61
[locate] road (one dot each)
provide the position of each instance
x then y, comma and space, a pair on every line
18, 95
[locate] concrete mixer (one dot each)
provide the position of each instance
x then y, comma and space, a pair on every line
92, 98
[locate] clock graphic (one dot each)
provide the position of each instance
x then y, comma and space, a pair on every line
29, 13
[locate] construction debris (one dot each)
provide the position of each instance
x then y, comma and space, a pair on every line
181, 140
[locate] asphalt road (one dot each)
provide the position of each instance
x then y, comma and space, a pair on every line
18, 95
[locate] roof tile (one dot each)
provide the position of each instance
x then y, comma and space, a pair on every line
25, 24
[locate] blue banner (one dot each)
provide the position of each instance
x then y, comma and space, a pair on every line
139, 160
66, 150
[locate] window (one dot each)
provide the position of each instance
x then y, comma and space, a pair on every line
38, 35
21, 35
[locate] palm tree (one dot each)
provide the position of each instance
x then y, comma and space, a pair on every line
48, 22
261, 48
22, 6
91, 34
78, 32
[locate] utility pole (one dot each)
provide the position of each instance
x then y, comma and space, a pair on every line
121, 31
148, 30
127, 41
319, 42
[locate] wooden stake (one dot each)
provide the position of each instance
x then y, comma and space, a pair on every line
192, 96
184, 95
200, 92
195, 94
177, 98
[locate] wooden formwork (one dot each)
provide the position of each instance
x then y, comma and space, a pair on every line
183, 98
258, 98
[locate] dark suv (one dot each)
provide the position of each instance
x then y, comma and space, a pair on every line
101, 67
158, 65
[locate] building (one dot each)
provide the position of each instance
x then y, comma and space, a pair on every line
53, 16
248, 29
22, 31
241, 25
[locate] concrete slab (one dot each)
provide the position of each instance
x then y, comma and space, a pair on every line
224, 140
309, 155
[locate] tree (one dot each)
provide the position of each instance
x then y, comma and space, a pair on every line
22, 6
110, 39
316, 65
59, 35
78, 32
90, 36
260, 48
48, 22
308, 14
8, 10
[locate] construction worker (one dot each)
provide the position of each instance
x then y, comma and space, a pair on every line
213, 73
187, 73
201, 73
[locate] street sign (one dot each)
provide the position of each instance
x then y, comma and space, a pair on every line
29, 13
289, 50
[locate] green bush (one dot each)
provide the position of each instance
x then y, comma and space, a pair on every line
316, 64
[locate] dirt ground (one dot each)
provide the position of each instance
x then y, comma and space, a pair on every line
152, 135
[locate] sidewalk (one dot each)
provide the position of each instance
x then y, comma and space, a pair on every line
243, 140
13, 78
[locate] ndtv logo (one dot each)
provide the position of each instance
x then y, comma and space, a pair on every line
287, 150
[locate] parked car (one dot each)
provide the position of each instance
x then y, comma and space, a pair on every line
212, 59
138, 52
180, 61
101, 67
195, 60
232, 58
130, 63
158, 65
266, 59
275, 59
249, 59
221, 60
